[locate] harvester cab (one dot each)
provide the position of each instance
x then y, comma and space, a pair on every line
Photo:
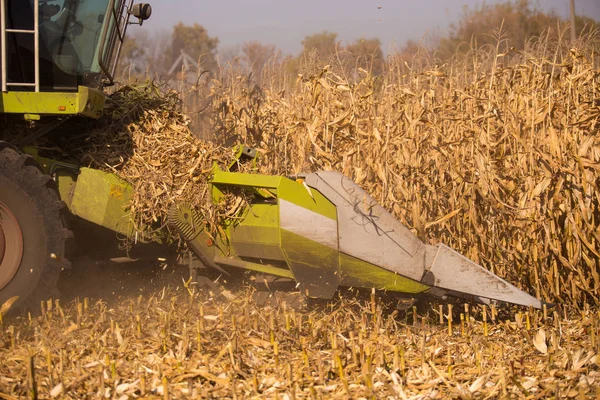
58, 54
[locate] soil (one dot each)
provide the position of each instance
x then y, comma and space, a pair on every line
117, 281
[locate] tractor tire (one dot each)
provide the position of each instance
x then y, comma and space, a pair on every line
34, 237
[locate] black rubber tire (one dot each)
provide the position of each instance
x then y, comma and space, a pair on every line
33, 198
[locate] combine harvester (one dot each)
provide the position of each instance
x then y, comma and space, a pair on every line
320, 230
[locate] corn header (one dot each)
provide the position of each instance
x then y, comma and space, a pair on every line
323, 231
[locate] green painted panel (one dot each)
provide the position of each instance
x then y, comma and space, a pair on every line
358, 273
66, 183
103, 198
262, 214
260, 224
86, 101
258, 242
314, 265
297, 193
256, 234
264, 268
287, 189
267, 253
243, 179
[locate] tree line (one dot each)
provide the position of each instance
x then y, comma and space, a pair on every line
510, 24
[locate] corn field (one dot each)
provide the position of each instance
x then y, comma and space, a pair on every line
495, 154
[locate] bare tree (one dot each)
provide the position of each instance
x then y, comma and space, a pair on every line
195, 42
257, 55
323, 44
367, 54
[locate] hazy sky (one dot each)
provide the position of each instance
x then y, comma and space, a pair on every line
285, 23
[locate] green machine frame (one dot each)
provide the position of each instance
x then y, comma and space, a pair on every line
255, 237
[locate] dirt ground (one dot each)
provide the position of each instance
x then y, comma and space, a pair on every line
114, 282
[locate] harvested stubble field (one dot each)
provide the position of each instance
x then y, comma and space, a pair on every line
498, 157
181, 344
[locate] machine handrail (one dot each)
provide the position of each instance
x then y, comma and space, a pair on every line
36, 44
121, 23
101, 62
